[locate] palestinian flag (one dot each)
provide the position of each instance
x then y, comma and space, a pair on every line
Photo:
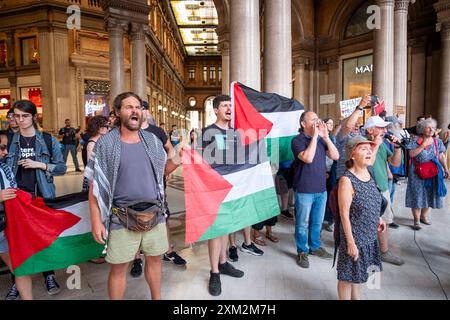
41, 237
274, 118
224, 198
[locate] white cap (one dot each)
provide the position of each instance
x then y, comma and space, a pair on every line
375, 121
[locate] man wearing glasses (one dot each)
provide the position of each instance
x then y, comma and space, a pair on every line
68, 135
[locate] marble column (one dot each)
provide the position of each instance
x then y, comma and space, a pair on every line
442, 8
278, 47
245, 60
116, 30
224, 48
138, 61
383, 76
400, 52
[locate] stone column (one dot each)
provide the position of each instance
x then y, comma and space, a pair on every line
14, 96
417, 80
138, 61
383, 76
301, 88
224, 48
443, 12
116, 29
10, 45
400, 52
245, 60
278, 47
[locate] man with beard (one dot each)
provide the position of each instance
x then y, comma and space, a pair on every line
126, 194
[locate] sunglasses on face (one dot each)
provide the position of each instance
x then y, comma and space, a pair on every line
3, 147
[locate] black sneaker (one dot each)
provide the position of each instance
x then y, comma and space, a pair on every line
228, 269
393, 225
175, 258
51, 285
215, 287
252, 249
13, 293
232, 254
286, 214
136, 269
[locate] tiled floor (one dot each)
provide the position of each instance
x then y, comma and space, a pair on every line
275, 275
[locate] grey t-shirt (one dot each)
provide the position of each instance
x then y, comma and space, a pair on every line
135, 179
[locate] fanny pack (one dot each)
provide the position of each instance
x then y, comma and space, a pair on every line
139, 216
427, 170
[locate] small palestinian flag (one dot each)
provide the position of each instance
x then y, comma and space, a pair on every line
272, 116
224, 198
43, 238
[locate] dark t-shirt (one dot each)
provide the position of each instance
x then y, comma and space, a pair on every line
69, 135
215, 143
157, 131
309, 178
26, 178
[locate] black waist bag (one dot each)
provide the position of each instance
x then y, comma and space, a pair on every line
139, 216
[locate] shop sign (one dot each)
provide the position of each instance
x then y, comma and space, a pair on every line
364, 69
327, 98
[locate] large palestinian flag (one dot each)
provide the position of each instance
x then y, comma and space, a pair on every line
272, 116
41, 238
224, 198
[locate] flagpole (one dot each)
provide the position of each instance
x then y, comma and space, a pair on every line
232, 103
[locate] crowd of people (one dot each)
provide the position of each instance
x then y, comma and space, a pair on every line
362, 163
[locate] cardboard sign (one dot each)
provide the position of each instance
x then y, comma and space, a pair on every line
348, 106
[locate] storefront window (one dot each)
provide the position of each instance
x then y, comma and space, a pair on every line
29, 51
96, 98
357, 77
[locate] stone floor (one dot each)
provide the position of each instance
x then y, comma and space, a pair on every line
275, 275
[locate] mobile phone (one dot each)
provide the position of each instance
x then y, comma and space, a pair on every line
374, 99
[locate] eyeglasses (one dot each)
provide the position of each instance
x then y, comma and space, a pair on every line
23, 116
3, 147
107, 127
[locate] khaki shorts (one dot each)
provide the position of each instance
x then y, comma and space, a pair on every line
388, 215
123, 244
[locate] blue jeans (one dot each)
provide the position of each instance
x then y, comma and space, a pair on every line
73, 151
310, 209
392, 187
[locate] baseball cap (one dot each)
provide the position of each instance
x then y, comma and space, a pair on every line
353, 143
375, 121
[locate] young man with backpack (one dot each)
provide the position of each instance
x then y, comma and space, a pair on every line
69, 140
35, 158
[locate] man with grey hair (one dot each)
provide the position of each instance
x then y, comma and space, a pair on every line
375, 129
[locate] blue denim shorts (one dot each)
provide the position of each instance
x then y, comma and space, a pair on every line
3, 243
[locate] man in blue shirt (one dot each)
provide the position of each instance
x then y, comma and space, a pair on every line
310, 149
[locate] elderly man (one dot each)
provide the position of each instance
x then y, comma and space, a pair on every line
310, 149
375, 129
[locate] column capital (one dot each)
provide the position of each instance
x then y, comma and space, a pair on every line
300, 62
224, 47
12, 80
445, 30
402, 5
116, 27
137, 31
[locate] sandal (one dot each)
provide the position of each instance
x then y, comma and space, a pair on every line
427, 222
271, 237
416, 226
258, 239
